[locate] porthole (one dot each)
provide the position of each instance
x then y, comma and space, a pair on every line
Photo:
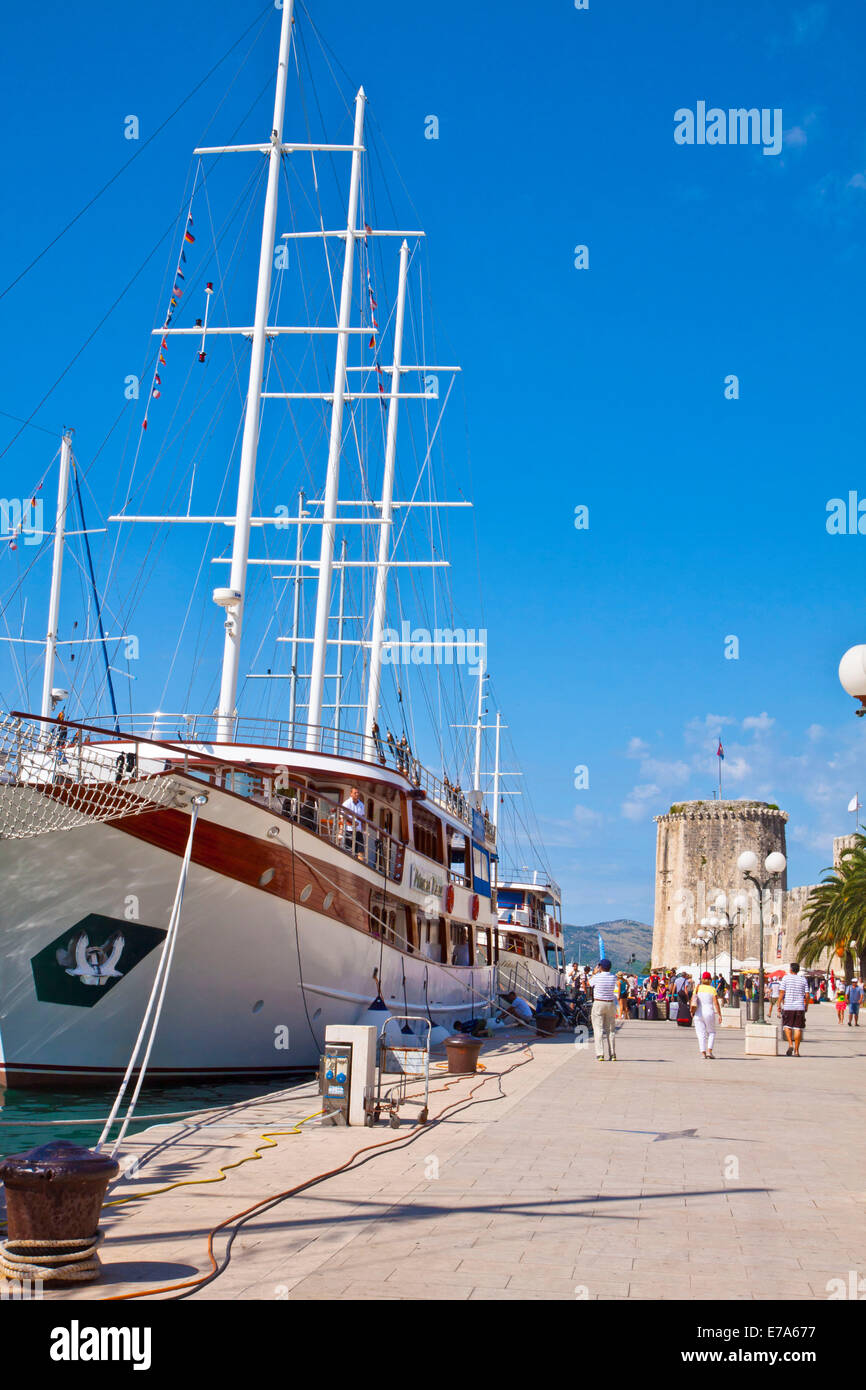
306, 892
329, 898
317, 1014
258, 1006
266, 877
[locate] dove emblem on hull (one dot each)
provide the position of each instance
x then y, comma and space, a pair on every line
93, 965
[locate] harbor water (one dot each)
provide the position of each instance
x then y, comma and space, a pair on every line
31, 1118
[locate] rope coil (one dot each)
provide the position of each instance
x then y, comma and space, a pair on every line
51, 1261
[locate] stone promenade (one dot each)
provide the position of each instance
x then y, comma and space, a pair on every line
659, 1176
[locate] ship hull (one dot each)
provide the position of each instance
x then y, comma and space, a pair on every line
263, 960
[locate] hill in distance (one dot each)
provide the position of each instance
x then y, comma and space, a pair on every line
622, 940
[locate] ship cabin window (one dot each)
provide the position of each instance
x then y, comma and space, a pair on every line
332, 793
243, 783
457, 856
432, 936
461, 943
427, 832
519, 944
536, 912
482, 946
391, 923
480, 870
552, 955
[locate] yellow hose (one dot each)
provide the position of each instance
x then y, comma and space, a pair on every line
270, 1143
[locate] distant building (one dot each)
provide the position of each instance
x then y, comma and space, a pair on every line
698, 844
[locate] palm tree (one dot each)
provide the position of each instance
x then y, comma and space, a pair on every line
834, 916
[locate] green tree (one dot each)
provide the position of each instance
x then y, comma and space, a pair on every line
834, 915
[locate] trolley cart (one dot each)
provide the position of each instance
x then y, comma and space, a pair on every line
409, 1055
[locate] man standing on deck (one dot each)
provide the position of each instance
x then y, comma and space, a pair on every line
353, 816
604, 1010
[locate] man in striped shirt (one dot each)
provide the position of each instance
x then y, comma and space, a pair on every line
795, 1003
604, 1010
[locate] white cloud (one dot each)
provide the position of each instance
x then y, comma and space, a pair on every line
857, 181
635, 805
815, 731
759, 722
671, 772
699, 730
637, 748
736, 769
795, 137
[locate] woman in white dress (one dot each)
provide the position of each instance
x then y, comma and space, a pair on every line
707, 1013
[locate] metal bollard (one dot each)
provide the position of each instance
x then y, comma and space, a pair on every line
54, 1196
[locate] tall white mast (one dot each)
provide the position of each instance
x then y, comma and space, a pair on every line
497, 775
329, 514
56, 572
375, 679
249, 446
478, 727
341, 610
296, 612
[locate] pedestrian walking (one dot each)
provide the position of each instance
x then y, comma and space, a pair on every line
795, 1004
854, 997
775, 992
684, 1003
706, 1012
604, 1010
622, 993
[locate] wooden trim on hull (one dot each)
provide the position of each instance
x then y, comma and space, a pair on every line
263, 864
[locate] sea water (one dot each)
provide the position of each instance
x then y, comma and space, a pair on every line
31, 1118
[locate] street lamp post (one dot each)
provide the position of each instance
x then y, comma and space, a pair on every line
709, 926
729, 922
774, 865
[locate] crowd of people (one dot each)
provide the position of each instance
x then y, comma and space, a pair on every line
697, 1002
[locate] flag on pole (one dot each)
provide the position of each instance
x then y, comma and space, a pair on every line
854, 804
720, 752
188, 236
601, 954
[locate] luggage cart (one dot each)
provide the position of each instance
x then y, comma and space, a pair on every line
410, 1056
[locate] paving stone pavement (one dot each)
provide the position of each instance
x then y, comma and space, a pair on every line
660, 1176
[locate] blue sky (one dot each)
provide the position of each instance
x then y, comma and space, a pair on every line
602, 387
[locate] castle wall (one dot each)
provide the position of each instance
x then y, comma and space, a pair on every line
697, 847
698, 843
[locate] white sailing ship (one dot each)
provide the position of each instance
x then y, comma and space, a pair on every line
312, 868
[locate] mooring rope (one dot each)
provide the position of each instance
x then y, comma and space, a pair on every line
159, 984
66, 1261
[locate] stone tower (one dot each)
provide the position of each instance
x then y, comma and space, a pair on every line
696, 859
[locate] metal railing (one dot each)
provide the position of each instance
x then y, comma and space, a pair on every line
293, 735
327, 819
521, 873
354, 835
